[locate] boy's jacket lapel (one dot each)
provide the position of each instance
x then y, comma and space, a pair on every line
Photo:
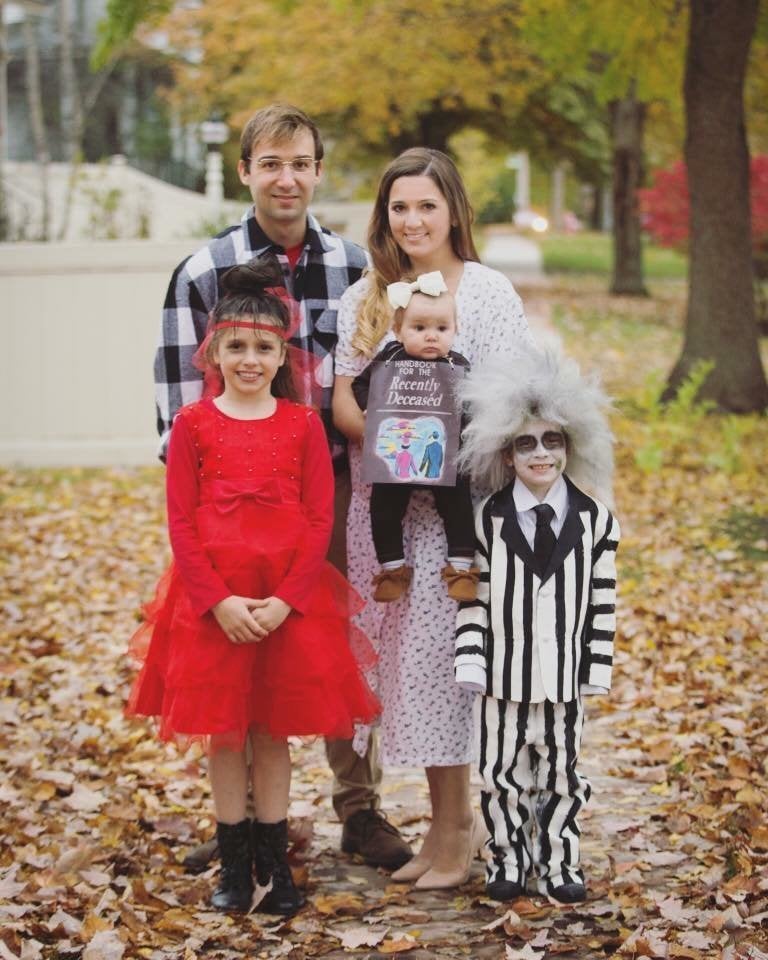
573, 528
570, 535
511, 533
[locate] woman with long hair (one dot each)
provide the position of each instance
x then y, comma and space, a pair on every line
421, 223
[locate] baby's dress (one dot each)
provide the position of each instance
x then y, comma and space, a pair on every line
250, 508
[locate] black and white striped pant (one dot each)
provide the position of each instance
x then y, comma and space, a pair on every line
528, 755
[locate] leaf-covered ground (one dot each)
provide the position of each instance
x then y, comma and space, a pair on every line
96, 813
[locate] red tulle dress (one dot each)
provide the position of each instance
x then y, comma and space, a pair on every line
250, 510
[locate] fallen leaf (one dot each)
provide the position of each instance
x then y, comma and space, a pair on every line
84, 800
401, 944
509, 920
104, 945
353, 937
525, 953
695, 939
335, 904
73, 860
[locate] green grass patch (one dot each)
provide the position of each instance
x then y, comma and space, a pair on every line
748, 531
592, 253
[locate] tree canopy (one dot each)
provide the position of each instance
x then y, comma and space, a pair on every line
388, 75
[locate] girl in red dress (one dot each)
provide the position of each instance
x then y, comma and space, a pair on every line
248, 640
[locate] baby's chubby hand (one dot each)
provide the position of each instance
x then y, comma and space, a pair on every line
234, 616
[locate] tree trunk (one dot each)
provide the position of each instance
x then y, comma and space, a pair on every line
627, 120
5, 225
71, 107
36, 118
77, 101
720, 323
557, 196
72, 121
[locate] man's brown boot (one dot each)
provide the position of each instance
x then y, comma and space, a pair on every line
369, 834
462, 584
391, 584
199, 858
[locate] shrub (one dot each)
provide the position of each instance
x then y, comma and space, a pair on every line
666, 210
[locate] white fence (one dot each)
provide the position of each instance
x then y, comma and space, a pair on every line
79, 328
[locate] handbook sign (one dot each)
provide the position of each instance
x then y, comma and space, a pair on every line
412, 426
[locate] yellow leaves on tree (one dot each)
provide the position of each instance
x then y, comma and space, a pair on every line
383, 70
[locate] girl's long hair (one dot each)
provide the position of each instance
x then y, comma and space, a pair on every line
389, 262
253, 291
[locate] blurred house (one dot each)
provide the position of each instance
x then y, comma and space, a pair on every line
123, 112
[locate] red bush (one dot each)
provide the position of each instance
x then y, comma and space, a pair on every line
665, 207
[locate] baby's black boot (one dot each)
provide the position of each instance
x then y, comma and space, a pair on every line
235, 889
270, 849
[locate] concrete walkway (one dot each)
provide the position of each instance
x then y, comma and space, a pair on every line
516, 255
519, 258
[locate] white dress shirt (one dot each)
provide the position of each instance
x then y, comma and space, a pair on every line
525, 501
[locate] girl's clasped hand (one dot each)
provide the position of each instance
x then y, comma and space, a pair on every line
248, 620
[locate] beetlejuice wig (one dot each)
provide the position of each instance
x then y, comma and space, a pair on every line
538, 383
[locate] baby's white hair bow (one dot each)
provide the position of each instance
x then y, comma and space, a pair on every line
399, 294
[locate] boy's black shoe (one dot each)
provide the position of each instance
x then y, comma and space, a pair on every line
369, 833
504, 890
568, 892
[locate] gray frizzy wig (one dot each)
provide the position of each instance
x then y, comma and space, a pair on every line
535, 384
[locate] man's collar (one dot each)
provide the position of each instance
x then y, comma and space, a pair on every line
259, 242
557, 497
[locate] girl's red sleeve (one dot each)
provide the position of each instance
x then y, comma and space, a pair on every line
317, 486
204, 586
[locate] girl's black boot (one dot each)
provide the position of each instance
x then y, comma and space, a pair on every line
270, 848
235, 889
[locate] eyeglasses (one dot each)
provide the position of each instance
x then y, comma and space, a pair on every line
550, 440
273, 167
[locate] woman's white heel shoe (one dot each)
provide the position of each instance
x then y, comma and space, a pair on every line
445, 880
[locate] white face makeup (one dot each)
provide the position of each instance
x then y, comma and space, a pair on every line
538, 455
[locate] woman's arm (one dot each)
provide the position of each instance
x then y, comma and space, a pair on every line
347, 415
348, 363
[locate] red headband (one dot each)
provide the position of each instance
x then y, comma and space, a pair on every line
252, 324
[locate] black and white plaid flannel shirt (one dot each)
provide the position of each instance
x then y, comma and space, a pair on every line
327, 266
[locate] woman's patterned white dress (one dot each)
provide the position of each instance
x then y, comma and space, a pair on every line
427, 718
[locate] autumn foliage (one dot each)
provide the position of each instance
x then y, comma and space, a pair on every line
97, 813
666, 210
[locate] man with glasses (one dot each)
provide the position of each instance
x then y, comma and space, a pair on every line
281, 162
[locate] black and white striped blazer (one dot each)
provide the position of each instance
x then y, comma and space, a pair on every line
567, 617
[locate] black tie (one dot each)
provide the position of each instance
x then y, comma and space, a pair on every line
545, 539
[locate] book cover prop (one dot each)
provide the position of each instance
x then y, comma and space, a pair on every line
412, 426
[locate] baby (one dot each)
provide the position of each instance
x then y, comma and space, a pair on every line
424, 326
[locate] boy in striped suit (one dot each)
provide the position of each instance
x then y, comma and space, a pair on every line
540, 634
